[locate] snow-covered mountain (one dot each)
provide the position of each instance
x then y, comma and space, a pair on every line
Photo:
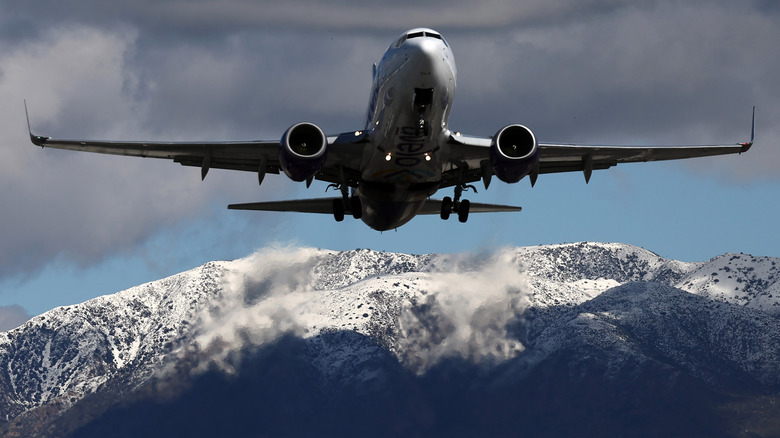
562, 340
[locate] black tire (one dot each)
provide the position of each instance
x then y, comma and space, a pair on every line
463, 210
338, 210
446, 207
356, 207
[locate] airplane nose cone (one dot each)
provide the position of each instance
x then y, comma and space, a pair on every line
425, 51
427, 57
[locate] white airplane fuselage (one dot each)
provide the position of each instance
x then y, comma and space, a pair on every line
411, 97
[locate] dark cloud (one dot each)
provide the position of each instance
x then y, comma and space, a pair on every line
12, 317
593, 71
214, 18
206, 20
58, 206
767, 6
669, 75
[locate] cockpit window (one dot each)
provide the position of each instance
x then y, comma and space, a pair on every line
438, 37
419, 35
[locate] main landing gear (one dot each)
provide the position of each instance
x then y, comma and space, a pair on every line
449, 206
346, 203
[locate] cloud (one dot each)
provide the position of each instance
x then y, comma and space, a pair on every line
264, 296
81, 208
12, 317
667, 74
212, 18
465, 313
594, 72
461, 308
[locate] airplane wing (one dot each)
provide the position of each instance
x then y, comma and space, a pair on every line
260, 156
563, 157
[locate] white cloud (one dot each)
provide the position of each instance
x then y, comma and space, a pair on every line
263, 298
471, 301
12, 317
461, 309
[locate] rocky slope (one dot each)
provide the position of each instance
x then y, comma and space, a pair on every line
563, 340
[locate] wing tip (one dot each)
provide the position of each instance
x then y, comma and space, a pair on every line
753, 126
37, 140
746, 146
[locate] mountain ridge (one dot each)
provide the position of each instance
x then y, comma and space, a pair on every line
364, 319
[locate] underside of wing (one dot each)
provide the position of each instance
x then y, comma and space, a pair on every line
555, 158
470, 157
239, 155
342, 162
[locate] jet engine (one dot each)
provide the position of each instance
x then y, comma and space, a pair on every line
513, 153
302, 151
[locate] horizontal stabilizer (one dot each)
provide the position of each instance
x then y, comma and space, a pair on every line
325, 206
433, 206
314, 205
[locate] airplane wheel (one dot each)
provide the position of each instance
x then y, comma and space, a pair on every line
463, 210
338, 210
446, 207
356, 207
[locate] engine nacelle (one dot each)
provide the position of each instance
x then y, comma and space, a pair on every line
302, 151
513, 153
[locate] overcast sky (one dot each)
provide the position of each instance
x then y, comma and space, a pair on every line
74, 226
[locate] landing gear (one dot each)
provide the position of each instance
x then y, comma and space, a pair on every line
346, 203
338, 209
423, 99
448, 205
355, 207
463, 210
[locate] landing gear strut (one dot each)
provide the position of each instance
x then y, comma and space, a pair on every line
423, 98
448, 205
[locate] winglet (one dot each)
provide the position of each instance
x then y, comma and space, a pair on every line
36, 139
746, 146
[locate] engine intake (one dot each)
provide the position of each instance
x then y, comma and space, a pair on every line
302, 151
513, 153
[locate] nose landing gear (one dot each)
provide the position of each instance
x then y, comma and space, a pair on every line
423, 98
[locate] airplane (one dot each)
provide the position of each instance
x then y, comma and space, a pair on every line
387, 171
